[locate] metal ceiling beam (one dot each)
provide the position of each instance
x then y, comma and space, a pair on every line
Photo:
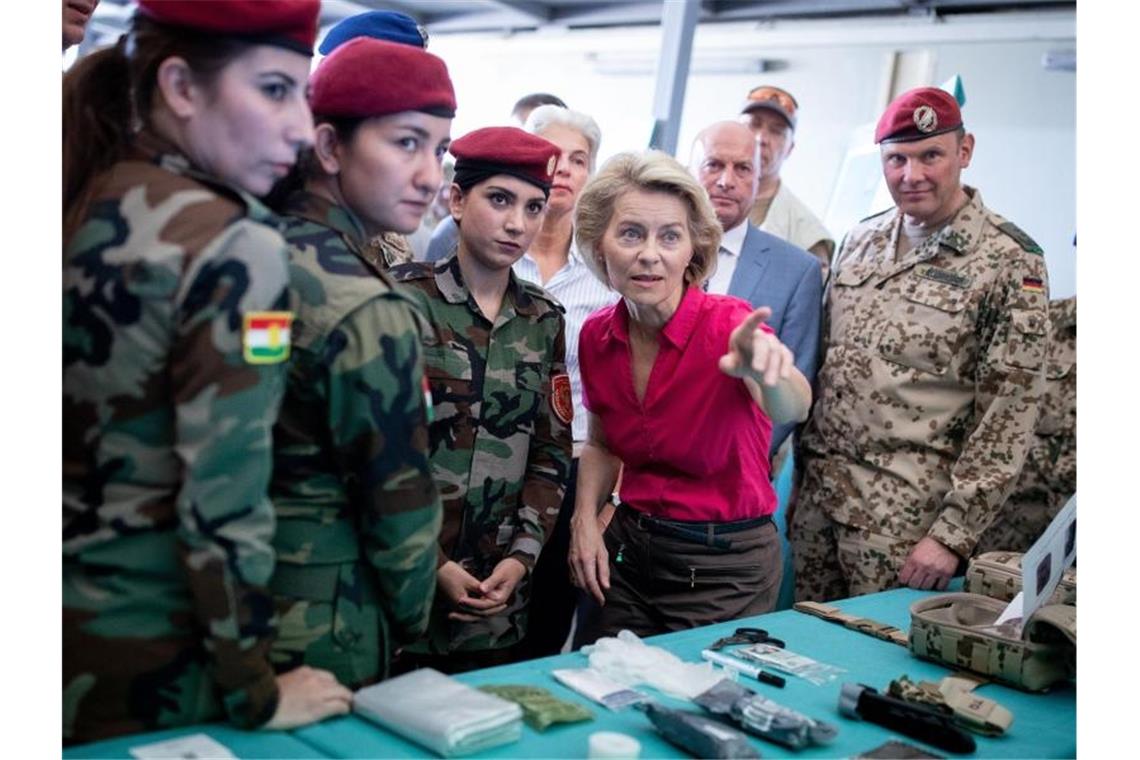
678, 24
476, 21
538, 12
333, 11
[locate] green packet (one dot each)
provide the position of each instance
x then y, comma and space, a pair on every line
540, 707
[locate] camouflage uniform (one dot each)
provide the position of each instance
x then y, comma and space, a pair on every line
927, 397
499, 451
166, 452
1049, 477
388, 250
358, 513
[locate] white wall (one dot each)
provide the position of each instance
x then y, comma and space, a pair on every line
1023, 115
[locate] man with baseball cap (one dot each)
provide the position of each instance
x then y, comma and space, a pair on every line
771, 113
933, 368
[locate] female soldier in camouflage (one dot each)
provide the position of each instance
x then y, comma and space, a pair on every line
358, 512
500, 437
173, 365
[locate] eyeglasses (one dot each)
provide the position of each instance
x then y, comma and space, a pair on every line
767, 93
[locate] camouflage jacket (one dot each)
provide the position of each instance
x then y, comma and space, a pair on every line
1049, 477
499, 449
167, 412
932, 373
351, 481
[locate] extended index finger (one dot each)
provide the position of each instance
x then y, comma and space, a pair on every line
753, 320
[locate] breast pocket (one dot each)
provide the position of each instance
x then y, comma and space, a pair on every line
1028, 341
530, 391
927, 329
450, 377
847, 317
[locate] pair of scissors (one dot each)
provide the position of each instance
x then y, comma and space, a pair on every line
747, 636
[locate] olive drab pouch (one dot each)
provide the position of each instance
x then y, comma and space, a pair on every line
998, 575
958, 630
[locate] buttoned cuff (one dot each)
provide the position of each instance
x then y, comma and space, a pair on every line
525, 558
948, 531
253, 703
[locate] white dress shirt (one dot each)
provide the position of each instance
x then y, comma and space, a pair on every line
730, 247
581, 294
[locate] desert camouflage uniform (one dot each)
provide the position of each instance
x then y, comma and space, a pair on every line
358, 513
927, 397
388, 250
500, 453
1049, 477
166, 452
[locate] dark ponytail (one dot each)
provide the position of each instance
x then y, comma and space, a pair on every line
108, 94
96, 126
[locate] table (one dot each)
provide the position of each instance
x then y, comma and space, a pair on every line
1044, 724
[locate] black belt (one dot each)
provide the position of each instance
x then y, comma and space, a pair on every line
707, 533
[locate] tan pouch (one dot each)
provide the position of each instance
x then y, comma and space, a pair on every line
958, 630
998, 575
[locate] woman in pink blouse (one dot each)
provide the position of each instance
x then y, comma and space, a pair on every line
681, 389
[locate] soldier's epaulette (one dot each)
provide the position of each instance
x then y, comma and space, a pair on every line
538, 291
1028, 244
412, 270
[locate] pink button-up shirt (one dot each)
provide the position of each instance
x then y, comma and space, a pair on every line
696, 448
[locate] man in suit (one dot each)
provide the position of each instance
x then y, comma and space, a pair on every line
752, 264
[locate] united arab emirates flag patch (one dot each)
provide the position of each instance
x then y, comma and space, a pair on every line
265, 336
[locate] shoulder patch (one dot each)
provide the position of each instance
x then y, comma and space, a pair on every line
412, 270
1021, 238
265, 336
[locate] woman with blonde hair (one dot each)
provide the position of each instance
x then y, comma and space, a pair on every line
682, 389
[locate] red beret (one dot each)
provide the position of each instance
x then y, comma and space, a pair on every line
506, 150
369, 77
286, 23
918, 114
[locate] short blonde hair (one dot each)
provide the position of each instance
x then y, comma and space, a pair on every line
652, 171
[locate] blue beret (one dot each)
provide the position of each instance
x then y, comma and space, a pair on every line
389, 26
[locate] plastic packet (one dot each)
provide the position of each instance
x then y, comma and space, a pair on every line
789, 662
596, 686
629, 660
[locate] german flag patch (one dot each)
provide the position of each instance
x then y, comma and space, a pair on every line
265, 336
1032, 285
561, 399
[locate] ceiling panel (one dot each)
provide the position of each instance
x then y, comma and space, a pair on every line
458, 16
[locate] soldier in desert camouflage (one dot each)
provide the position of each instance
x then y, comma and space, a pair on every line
935, 340
1049, 477
358, 511
500, 438
175, 337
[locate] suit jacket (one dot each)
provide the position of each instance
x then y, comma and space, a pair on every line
774, 273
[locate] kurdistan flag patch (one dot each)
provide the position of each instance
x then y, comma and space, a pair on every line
265, 336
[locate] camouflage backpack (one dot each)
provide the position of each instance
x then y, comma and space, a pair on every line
998, 575
958, 630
